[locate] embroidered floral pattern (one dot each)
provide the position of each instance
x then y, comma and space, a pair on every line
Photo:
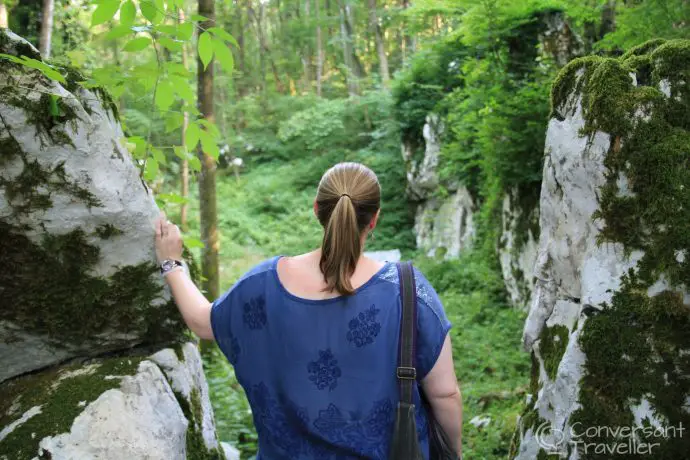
234, 350
254, 314
325, 371
280, 425
367, 436
364, 328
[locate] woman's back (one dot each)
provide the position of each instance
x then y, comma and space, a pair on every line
320, 374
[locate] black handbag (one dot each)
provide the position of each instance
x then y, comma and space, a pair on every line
404, 444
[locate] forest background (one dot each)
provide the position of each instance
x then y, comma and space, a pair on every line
234, 109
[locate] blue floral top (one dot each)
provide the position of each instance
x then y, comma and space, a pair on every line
320, 374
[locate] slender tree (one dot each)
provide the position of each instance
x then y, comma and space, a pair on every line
184, 172
380, 45
319, 48
207, 178
46, 28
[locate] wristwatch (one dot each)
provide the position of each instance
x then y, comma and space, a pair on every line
169, 264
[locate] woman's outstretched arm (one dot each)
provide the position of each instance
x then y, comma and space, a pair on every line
195, 309
443, 392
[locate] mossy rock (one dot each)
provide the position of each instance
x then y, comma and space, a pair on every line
76, 225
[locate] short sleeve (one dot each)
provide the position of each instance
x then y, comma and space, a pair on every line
222, 324
432, 325
226, 314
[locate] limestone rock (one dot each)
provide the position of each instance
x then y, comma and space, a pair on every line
607, 325
153, 407
517, 249
445, 226
422, 177
76, 225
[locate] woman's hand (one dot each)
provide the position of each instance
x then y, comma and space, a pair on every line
168, 240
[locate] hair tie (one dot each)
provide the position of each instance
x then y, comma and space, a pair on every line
344, 194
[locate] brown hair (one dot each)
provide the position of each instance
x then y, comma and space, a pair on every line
348, 197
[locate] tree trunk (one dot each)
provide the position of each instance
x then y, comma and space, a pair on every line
354, 67
184, 173
408, 43
46, 28
380, 46
264, 50
241, 84
3, 15
207, 178
319, 48
306, 56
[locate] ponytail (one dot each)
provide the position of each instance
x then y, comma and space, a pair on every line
348, 197
341, 247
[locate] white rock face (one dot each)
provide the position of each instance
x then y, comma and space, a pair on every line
187, 377
574, 278
90, 159
422, 177
517, 252
141, 419
571, 270
446, 224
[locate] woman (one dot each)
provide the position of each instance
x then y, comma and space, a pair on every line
313, 338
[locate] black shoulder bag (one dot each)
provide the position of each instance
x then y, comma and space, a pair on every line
404, 445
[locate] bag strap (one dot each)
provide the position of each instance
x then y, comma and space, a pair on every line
406, 371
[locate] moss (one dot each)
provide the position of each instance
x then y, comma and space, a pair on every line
75, 304
196, 448
552, 344
59, 400
107, 231
534, 376
633, 350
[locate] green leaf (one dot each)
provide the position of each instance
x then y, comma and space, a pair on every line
54, 109
183, 88
180, 152
172, 198
128, 12
105, 12
165, 96
205, 48
158, 155
151, 169
211, 128
208, 144
44, 68
194, 163
173, 121
185, 31
177, 69
223, 55
192, 242
198, 17
150, 12
192, 136
118, 31
171, 44
167, 29
223, 35
137, 44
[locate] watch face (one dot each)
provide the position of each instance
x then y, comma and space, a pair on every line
167, 265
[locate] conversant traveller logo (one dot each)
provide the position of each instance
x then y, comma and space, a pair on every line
611, 440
